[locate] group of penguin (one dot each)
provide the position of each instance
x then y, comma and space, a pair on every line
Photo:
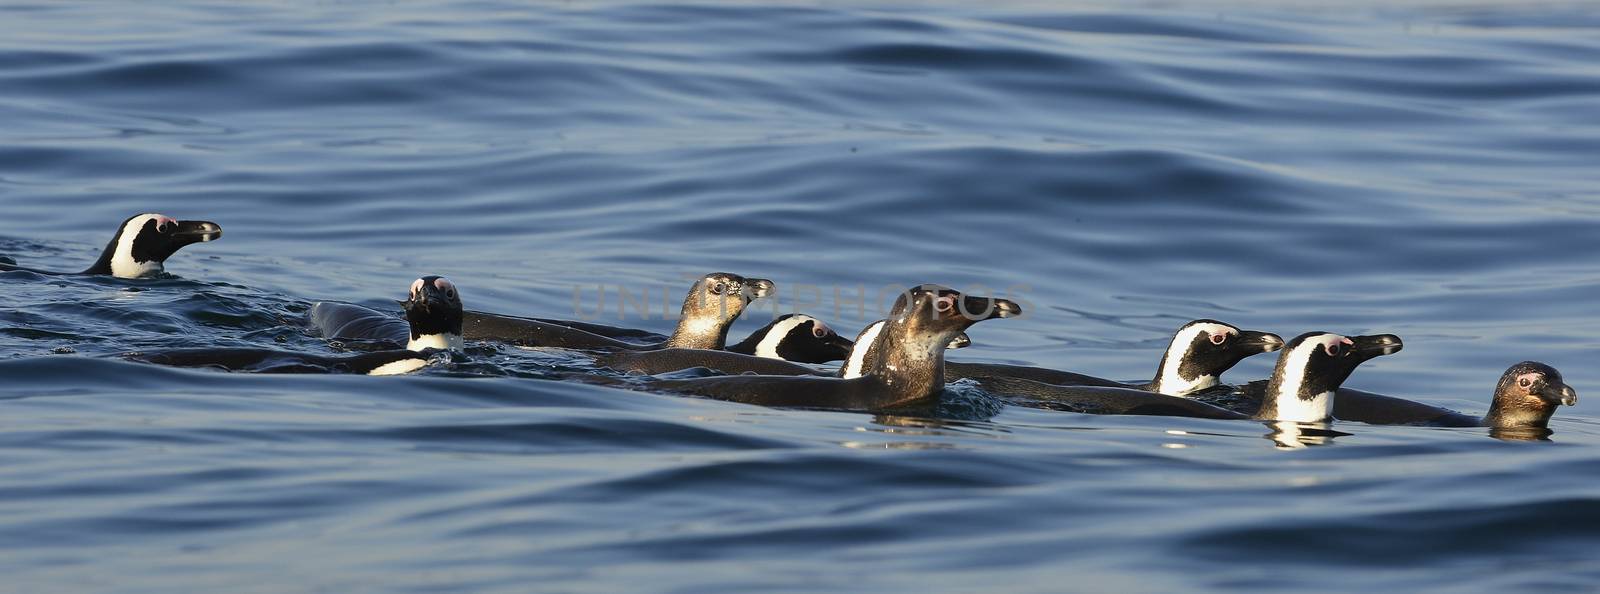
892, 363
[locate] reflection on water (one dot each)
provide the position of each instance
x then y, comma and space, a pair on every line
1521, 433
1290, 435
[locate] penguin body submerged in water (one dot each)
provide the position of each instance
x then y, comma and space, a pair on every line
1200, 351
709, 309
433, 325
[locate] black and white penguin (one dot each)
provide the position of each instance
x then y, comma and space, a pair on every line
906, 366
1200, 351
1198, 354
795, 337
1525, 398
709, 309
141, 246
1309, 372
433, 324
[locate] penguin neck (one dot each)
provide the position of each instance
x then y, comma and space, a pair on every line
1508, 411
704, 327
863, 355
450, 341
1170, 378
1289, 399
910, 362
117, 260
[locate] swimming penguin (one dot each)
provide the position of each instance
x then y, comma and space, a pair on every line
709, 309
775, 349
906, 366
795, 337
433, 320
1525, 398
1309, 372
141, 246
1200, 351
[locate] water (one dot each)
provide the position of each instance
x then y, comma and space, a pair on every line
1426, 170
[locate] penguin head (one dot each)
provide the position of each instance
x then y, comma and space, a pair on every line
796, 337
944, 313
711, 306
1203, 349
433, 310
1312, 367
723, 295
1527, 396
145, 241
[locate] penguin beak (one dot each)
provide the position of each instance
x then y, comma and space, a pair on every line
196, 232
961, 341
1264, 342
757, 288
837, 347
989, 308
429, 299
1376, 345
1560, 392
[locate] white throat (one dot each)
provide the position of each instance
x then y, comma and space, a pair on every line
1290, 407
858, 353
1171, 382
122, 262
768, 347
446, 341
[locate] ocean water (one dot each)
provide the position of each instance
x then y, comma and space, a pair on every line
1426, 169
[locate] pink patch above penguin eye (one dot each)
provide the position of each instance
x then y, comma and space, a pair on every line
1527, 379
416, 287
162, 221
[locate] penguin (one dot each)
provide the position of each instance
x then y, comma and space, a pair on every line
906, 365
776, 349
433, 325
795, 337
1310, 369
141, 246
709, 309
1200, 351
1525, 398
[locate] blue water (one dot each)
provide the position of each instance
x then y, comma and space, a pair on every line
1425, 169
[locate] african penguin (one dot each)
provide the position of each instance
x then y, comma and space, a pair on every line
433, 324
142, 245
795, 337
1310, 370
709, 309
1199, 352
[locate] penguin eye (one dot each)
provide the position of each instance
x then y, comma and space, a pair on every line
1218, 338
719, 288
1524, 382
944, 304
1335, 349
819, 331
